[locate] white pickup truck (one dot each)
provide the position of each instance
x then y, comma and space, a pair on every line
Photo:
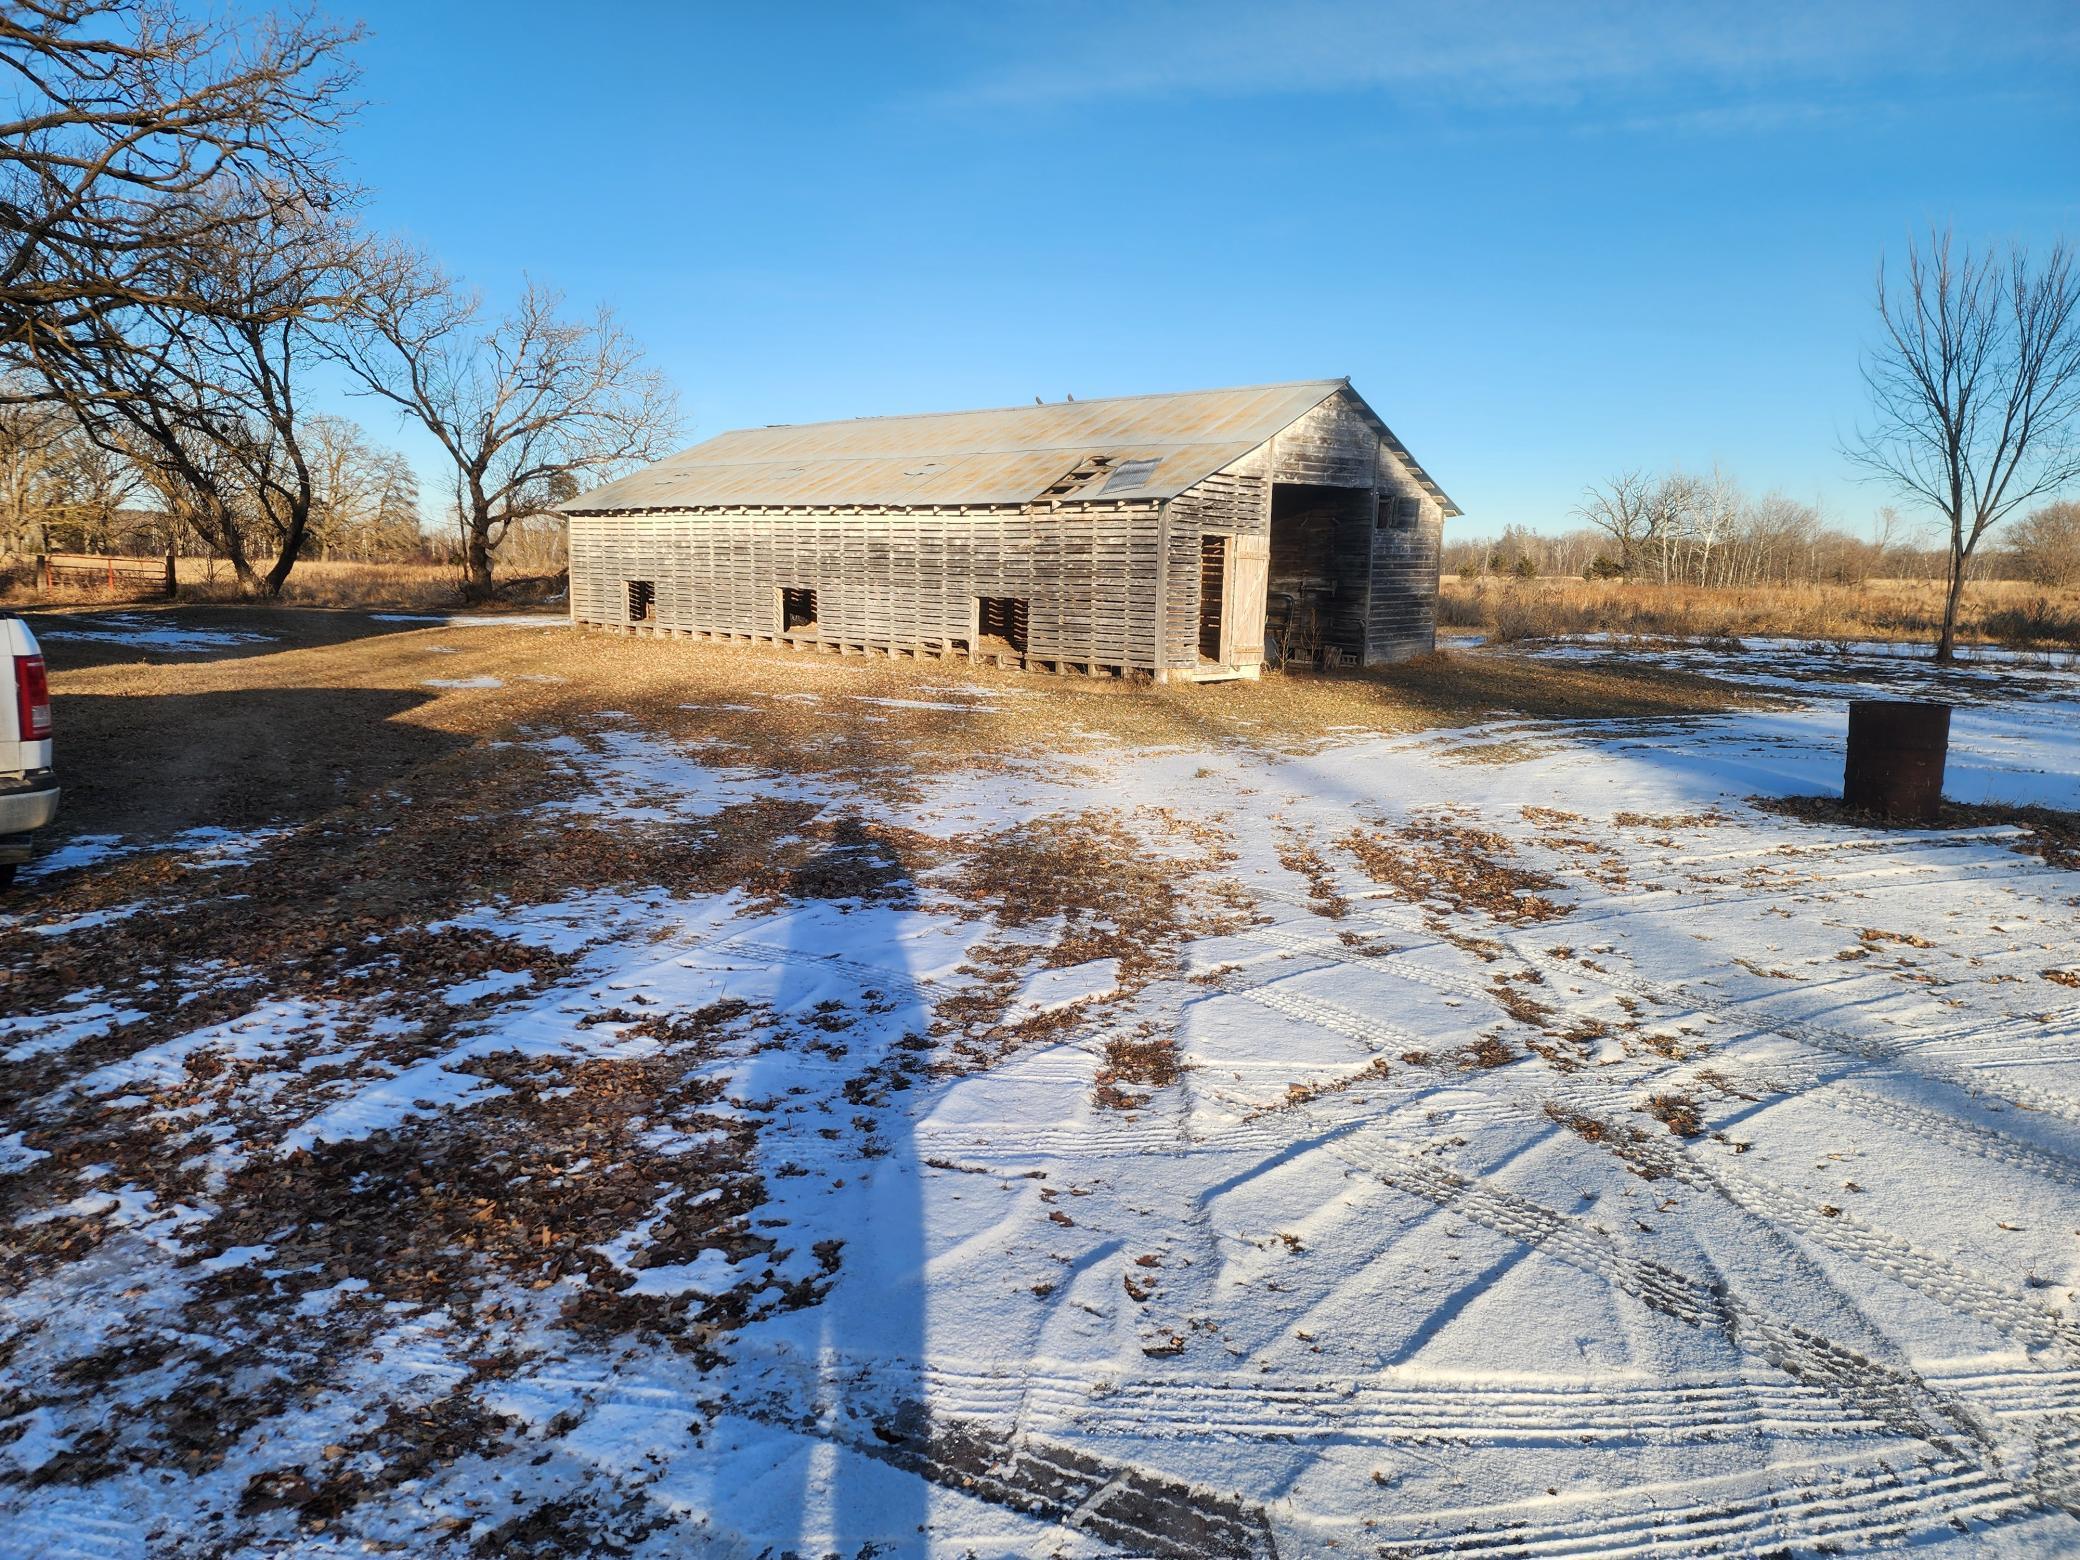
28, 789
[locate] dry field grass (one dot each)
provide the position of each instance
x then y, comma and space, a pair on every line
313, 583
1995, 612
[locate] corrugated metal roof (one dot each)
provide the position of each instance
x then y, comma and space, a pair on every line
1009, 456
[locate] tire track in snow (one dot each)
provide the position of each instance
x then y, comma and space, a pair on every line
1128, 1505
1899, 1054
1858, 1506
1900, 1401
1961, 1290
62, 1527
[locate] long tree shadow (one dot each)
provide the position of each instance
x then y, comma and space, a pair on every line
153, 765
182, 634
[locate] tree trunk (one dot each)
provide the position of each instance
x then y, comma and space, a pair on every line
1946, 642
476, 582
279, 574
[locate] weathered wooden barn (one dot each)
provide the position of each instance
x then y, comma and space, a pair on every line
1171, 535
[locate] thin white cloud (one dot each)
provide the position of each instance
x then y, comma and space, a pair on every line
1492, 53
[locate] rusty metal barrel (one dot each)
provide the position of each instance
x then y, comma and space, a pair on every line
1896, 753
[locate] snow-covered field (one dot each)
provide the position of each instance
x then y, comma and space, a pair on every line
1498, 1141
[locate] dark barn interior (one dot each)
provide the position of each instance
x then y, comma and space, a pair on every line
1321, 560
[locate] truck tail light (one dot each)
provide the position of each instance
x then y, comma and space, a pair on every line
32, 697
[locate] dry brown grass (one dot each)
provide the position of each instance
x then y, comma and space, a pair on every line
313, 583
1997, 612
1434, 859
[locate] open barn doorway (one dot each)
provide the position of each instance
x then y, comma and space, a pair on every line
1321, 571
1213, 599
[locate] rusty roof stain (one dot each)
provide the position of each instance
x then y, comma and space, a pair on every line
1011, 455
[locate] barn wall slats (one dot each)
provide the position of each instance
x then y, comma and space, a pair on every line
1403, 616
1406, 550
897, 579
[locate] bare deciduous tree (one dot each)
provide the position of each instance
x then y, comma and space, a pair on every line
2047, 544
32, 442
136, 134
529, 409
1623, 510
1975, 390
367, 502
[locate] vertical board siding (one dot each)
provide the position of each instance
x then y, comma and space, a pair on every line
886, 579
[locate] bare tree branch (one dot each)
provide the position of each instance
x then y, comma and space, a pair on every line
137, 134
529, 410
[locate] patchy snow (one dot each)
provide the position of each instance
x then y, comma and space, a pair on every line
83, 850
1649, 1172
143, 631
482, 681
205, 847
29, 1035
635, 777
496, 984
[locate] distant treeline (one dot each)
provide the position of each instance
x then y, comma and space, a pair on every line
1678, 529
64, 490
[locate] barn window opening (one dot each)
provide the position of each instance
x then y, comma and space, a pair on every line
1080, 476
1399, 514
797, 611
1000, 623
1213, 594
642, 596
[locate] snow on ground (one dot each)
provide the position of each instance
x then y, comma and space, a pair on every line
201, 848
1562, 1157
143, 631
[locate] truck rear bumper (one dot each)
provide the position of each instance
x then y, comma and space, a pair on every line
26, 804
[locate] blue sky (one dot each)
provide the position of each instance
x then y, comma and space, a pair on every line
1545, 241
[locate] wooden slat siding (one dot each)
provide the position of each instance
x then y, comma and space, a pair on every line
588, 576
1405, 557
898, 580
1334, 445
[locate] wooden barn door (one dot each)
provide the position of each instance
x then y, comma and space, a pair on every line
1249, 578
